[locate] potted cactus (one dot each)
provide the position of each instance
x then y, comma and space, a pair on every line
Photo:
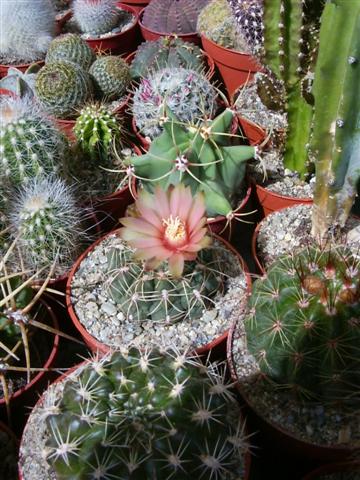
179, 435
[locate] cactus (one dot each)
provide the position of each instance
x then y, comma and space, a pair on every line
141, 415
30, 145
27, 29
201, 156
62, 87
163, 53
96, 17
70, 48
248, 15
185, 92
98, 132
111, 76
20, 83
168, 16
303, 325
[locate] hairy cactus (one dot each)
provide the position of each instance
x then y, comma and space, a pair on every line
62, 87
96, 17
201, 156
111, 76
169, 16
186, 93
30, 145
304, 323
27, 28
70, 48
140, 415
163, 53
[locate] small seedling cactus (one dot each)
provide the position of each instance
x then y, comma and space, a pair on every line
111, 77
96, 17
62, 88
303, 327
186, 93
70, 48
146, 415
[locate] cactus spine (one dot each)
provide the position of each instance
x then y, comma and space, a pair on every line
70, 48
96, 17
111, 76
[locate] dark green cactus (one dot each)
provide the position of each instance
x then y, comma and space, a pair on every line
146, 415
70, 48
303, 326
111, 76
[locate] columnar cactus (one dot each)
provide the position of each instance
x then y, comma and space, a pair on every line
27, 28
146, 415
96, 17
111, 76
303, 326
168, 16
71, 48
62, 87
186, 93
165, 52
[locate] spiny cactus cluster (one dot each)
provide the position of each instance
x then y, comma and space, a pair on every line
96, 17
303, 326
111, 76
146, 415
27, 29
70, 48
186, 93
167, 16
166, 52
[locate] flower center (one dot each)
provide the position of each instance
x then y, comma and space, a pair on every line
175, 229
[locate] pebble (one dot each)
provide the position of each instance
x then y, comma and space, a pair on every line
108, 308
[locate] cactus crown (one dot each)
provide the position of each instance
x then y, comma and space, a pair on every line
111, 76
303, 326
70, 48
140, 414
96, 17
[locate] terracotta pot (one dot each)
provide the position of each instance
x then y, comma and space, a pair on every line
333, 468
7, 93
272, 202
137, 5
236, 68
149, 34
219, 344
22, 67
250, 130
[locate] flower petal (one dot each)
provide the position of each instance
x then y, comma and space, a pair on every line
176, 265
140, 225
161, 203
197, 212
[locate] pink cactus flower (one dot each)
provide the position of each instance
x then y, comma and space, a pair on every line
171, 226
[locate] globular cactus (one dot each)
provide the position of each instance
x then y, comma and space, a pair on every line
146, 415
70, 48
168, 16
248, 15
98, 132
30, 145
303, 325
62, 88
27, 28
201, 156
111, 76
186, 93
96, 17
166, 52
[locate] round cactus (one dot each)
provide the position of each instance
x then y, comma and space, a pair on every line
249, 17
146, 415
62, 87
303, 326
70, 48
30, 145
96, 17
185, 92
111, 76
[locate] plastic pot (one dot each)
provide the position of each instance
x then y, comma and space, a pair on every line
137, 5
236, 68
272, 202
253, 132
333, 468
22, 67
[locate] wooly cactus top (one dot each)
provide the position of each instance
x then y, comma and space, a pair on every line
96, 17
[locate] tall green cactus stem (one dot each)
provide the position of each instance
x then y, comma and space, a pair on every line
336, 136
70, 48
146, 415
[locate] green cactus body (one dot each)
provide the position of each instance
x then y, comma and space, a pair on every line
70, 48
336, 134
166, 52
303, 326
248, 15
151, 415
62, 87
200, 156
111, 76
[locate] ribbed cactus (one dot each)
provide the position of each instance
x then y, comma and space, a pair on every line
169, 16
71, 48
303, 326
201, 156
111, 76
166, 52
146, 415
27, 28
62, 88
248, 15
335, 141
96, 17
30, 145
185, 92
